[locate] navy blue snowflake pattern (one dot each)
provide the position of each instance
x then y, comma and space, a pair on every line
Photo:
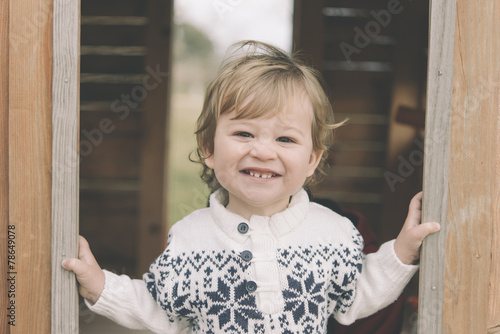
319, 276
209, 289
233, 305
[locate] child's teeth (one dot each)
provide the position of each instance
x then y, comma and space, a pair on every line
264, 176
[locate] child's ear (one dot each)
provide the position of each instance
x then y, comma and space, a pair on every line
208, 158
314, 161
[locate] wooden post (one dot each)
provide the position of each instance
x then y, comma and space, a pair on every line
460, 265
65, 162
4, 161
473, 164
435, 184
30, 161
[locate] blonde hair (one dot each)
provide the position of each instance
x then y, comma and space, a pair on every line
258, 80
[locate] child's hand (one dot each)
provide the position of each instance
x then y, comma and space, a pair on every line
412, 234
87, 270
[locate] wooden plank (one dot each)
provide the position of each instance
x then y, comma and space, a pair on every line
494, 306
65, 162
4, 163
435, 184
152, 215
472, 170
30, 159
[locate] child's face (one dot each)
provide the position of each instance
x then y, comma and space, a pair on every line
261, 162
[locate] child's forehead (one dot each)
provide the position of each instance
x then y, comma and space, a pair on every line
258, 106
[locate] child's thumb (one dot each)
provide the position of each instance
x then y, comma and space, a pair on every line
77, 266
425, 229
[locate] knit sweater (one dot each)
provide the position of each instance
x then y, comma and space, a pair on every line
287, 273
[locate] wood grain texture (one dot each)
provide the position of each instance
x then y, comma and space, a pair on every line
473, 160
30, 159
4, 162
435, 185
65, 162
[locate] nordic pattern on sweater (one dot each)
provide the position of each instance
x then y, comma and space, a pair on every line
209, 287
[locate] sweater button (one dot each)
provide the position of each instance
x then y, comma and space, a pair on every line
243, 228
246, 255
251, 286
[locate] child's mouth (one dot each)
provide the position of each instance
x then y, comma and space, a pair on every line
260, 174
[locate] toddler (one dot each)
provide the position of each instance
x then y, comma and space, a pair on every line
261, 258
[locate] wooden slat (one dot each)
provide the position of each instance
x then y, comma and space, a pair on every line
109, 185
494, 305
111, 78
4, 163
115, 20
473, 158
65, 162
435, 185
112, 64
113, 35
30, 159
105, 50
352, 131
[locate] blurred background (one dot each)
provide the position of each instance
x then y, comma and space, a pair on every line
144, 68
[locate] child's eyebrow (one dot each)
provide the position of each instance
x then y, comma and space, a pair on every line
283, 126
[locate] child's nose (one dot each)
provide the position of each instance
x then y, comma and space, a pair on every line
263, 150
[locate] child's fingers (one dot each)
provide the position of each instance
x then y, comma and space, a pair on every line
414, 212
85, 259
84, 252
77, 266
424, 229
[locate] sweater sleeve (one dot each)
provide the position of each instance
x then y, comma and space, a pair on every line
128, 303
380, 280
143, 304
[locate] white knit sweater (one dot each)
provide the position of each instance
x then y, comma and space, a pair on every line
281, 274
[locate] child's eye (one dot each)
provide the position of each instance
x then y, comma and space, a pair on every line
243, 134
285, 140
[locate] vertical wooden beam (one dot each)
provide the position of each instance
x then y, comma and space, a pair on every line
65, 162
30, 159
471, 209
152, 221
435, 185
494, 307
4, 162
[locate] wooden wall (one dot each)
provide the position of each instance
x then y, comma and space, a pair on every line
26, 153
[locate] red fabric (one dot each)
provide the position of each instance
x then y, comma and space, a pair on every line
385, 321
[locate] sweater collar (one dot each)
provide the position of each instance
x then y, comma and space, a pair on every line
278, 224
